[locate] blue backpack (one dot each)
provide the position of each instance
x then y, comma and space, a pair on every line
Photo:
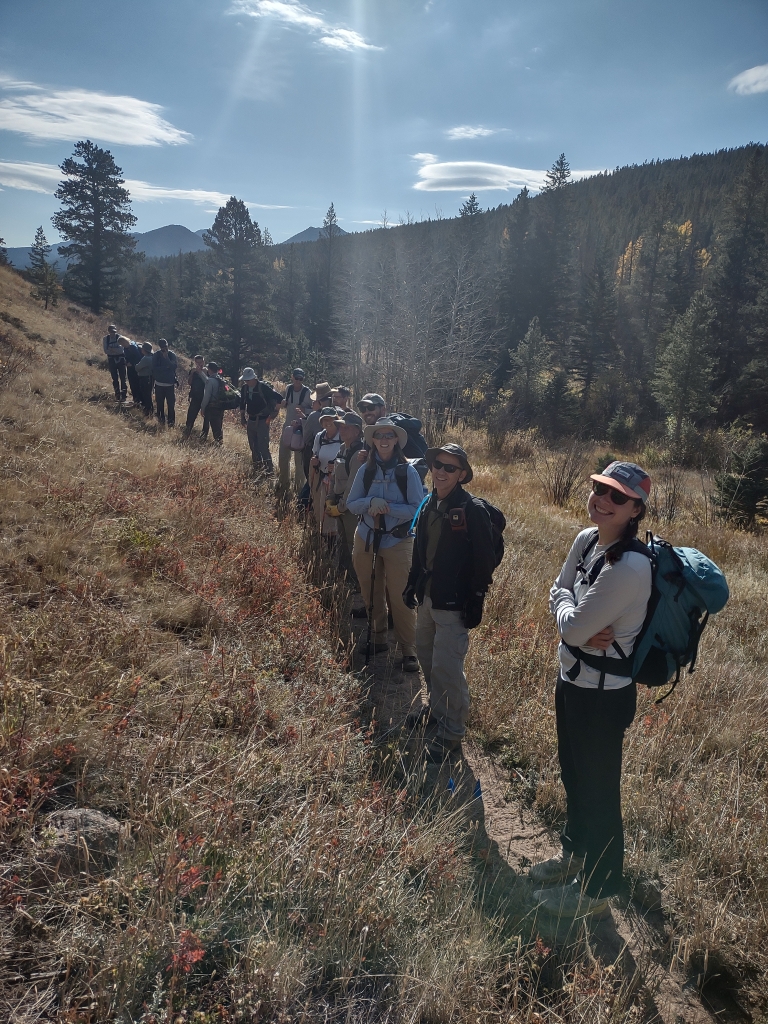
686, 588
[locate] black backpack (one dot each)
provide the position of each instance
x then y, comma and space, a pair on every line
498, 526
416, 446
401, 475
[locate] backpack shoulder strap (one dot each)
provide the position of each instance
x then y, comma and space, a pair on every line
368, 475
401, 475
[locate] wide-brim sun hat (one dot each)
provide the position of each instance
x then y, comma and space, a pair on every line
627, 477
248, 374
385, 424
321, 391
451, 449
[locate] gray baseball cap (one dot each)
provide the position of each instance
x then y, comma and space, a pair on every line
451, 449
371, 399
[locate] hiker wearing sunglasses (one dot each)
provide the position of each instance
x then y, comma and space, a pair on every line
386, 494
453, 561
599, 601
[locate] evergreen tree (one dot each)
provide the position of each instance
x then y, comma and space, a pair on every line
554, 227
239, 295
529, 364
41, 272
470, 208
594, 342
741, 279
95, 217
685, 369
3, 254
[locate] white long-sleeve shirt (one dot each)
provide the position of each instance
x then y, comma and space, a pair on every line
618, 598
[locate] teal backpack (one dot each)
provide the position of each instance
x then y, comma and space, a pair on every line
686, 588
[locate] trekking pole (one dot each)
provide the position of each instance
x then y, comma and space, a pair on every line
376, 542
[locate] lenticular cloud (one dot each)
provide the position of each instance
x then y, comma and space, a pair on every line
72, 114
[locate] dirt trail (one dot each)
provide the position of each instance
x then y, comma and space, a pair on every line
509, 836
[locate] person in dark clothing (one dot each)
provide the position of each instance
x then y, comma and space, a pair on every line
196, 379
452, 567
113, 350
257, 407
144, 373
164, 365
133, 356
211, 407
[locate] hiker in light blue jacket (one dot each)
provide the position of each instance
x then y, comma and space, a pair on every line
386, 494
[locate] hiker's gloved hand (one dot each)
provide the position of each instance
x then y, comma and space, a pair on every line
378, 506
601, 640
331, 508
409, 597
473, 611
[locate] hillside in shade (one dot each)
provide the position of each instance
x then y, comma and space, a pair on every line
312, 235
169, 240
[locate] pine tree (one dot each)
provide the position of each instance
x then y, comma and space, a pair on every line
95, 218
470, 208
41, 272
594, 343
529, 364
555, 231
685, 369
239, 297
3, 254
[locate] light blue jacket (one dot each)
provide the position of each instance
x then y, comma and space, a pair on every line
384, 485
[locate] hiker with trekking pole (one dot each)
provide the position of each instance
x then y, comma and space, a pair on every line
459, 543
386, 493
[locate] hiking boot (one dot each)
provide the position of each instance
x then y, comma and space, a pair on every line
570, 903
417, 717
440, 749
557, 870
410, 663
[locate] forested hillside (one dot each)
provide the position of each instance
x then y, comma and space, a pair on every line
625, 304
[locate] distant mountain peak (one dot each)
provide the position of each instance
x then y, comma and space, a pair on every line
312, 235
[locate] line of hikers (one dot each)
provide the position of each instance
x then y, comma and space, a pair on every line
626, 612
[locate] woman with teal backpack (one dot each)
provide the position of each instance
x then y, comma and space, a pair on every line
599, 601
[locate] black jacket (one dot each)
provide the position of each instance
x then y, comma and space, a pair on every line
465, 556
259, 402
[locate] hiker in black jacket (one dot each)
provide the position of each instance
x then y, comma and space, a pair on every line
453, 561
196, 379
257, 407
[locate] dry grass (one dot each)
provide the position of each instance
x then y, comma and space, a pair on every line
164, 661
695, 766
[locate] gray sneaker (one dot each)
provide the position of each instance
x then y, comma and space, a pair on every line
569, 902
557, 870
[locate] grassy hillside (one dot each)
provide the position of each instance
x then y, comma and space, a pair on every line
165, 662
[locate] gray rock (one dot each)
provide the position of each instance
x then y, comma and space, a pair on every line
79, 840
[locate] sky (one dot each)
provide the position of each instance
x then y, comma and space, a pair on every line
391, 109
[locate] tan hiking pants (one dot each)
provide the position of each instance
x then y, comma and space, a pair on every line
392, 567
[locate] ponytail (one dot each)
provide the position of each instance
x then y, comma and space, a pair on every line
614, 553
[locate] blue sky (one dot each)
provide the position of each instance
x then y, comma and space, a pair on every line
403, 106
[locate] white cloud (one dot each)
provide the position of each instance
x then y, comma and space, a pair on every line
468, 131
34, 177
72, 114
750, 81
296, 15
474, 176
